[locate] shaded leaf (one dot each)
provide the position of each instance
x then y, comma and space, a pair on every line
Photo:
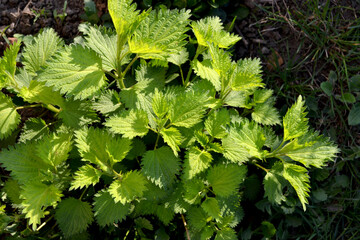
160, 166
225, 179
107, 211
73, 216
130, 187
9, 118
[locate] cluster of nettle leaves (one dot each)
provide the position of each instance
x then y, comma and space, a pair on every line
154, 146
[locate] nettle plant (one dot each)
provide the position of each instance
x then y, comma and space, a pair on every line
123, 133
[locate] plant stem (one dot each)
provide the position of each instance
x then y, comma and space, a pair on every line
82, 193
259, 166
120, 43
182, 76
186, 229
129, 66
157, 140
51, 108
29, 106
118, 175
48, 106
44, 223
199, 50
122, 75
111, 74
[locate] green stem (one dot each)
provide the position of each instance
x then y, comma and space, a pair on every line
129, 66
13, 80
111, 74
259, 166
120, 44
82, 194
118, 175
182, 76
29, 106
108, 86
157, 140
122, 75
51, 108
199, 50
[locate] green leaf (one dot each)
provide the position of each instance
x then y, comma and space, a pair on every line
38, 92
348, 98
12, 190
206, 233
187, 109
101, 148
225, 179
327, 87
215, 147
23, 162
261, 95
165, 214
247, 75
197, 218
38, 196
84, 177
265, 113
295, 122
73, 216
103, 41
9, 118
8, 66
160, 166
299, 180
244, 140
354, 115
221, 62
216, 122
75, 71
211, 207
160, 104
172, 137
137, 150
179, 57
273, 186
196, 161
130, 187
139, 96
235, 99
310, 150
23, 78
202, 138
41, 49
211, 30
143, 223
226, 234
230, 210
107, 211
129, 123
205, 71
76, 114
193, 190
320, 195
268, 229
54, 149
108, 102
124, 15
160, 34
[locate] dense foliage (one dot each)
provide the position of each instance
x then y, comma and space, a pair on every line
130, 136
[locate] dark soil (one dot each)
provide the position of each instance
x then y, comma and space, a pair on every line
28, 17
